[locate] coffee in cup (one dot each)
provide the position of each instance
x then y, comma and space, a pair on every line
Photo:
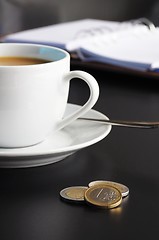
16, 61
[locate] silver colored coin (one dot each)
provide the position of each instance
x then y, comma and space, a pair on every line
75, 193
122, 188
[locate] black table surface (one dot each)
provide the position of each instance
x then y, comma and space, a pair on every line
30, 206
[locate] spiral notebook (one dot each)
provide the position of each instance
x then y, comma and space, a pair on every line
132, 44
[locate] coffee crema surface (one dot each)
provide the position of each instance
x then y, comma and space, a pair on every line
16, 61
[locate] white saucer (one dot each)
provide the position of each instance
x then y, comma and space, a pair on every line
78, 135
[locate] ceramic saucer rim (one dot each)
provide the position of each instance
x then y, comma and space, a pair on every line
11, 153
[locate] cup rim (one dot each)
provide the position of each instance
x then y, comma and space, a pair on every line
66, 55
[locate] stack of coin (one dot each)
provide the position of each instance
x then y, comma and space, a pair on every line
106, 194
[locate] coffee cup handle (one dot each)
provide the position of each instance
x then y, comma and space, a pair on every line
94, 94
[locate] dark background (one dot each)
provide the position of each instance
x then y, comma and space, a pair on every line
16, 15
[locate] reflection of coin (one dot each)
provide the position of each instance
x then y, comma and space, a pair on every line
75, 193
103, 196
122, 188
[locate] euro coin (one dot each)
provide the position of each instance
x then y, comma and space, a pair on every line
75, 193
103, 196
122, 188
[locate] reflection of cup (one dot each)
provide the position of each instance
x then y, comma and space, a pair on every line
33, 97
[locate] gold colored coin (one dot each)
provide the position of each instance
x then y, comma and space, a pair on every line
103, 196
122, 188
75, 193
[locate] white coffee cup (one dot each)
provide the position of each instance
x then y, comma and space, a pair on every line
33, 98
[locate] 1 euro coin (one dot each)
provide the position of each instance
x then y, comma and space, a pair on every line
103, 196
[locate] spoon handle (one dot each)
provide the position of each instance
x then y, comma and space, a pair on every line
123, 123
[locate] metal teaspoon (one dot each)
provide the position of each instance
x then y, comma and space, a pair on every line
123, 123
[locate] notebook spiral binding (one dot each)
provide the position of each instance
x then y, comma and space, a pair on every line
108, 33
122, 26
144, 21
